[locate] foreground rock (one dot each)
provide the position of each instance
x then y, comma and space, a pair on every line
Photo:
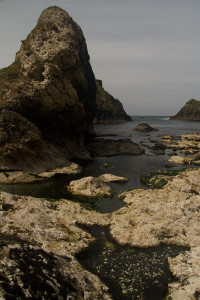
47, 96
190, 111
166, 216
109, 109
180, 160
144, 127
107, 147
112, 178
89, 186
40, 238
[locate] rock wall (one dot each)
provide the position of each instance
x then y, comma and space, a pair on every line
109, 109
190, 111
47, 96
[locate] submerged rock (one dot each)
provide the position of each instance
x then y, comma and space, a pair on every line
144, 127
107, 147
112, 178
47, 96
89, 186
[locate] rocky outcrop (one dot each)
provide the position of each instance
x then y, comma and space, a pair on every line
190, 111
47, 96
109, 109
144, 127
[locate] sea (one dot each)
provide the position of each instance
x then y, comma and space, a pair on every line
130, 273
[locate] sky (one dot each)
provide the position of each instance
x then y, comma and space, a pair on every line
147, 52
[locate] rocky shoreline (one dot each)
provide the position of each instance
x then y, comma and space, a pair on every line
54, 230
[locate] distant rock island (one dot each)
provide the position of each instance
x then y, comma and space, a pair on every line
190, 111
109, 109
48, 97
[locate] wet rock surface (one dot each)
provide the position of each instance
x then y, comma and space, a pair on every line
107, 147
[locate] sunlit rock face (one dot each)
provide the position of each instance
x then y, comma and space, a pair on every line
48, 95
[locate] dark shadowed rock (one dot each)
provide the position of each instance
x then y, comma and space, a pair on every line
190, 111
109, 109
144, 127
47, 96
107, 147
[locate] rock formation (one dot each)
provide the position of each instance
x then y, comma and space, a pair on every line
144, 127
109, 109
190, 111
47, 96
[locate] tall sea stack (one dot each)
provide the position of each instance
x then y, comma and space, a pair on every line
47, 96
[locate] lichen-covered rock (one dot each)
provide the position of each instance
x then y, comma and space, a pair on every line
38, 242
112, 178
47, 96
89, 186
109, 109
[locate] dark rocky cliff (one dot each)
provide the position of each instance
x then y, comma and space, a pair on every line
47, 96
190, 111
109, 109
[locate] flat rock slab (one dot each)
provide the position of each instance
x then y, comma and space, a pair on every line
107, 147
112, 178
17, 177
68, 170
144, 127
89, 186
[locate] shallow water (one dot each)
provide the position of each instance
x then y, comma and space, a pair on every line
130, 273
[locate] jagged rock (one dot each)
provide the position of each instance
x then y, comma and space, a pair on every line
49, 105
112, 178
190, 111
107, 147
144, 127
109, 109
89, 186
175, 159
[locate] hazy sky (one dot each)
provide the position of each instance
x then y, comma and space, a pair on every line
147, 52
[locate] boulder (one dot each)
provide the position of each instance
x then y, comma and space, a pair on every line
144, 127
89, 186
112, 178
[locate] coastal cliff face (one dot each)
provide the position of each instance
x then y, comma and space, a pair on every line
190, 111
109, 109
47, 96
